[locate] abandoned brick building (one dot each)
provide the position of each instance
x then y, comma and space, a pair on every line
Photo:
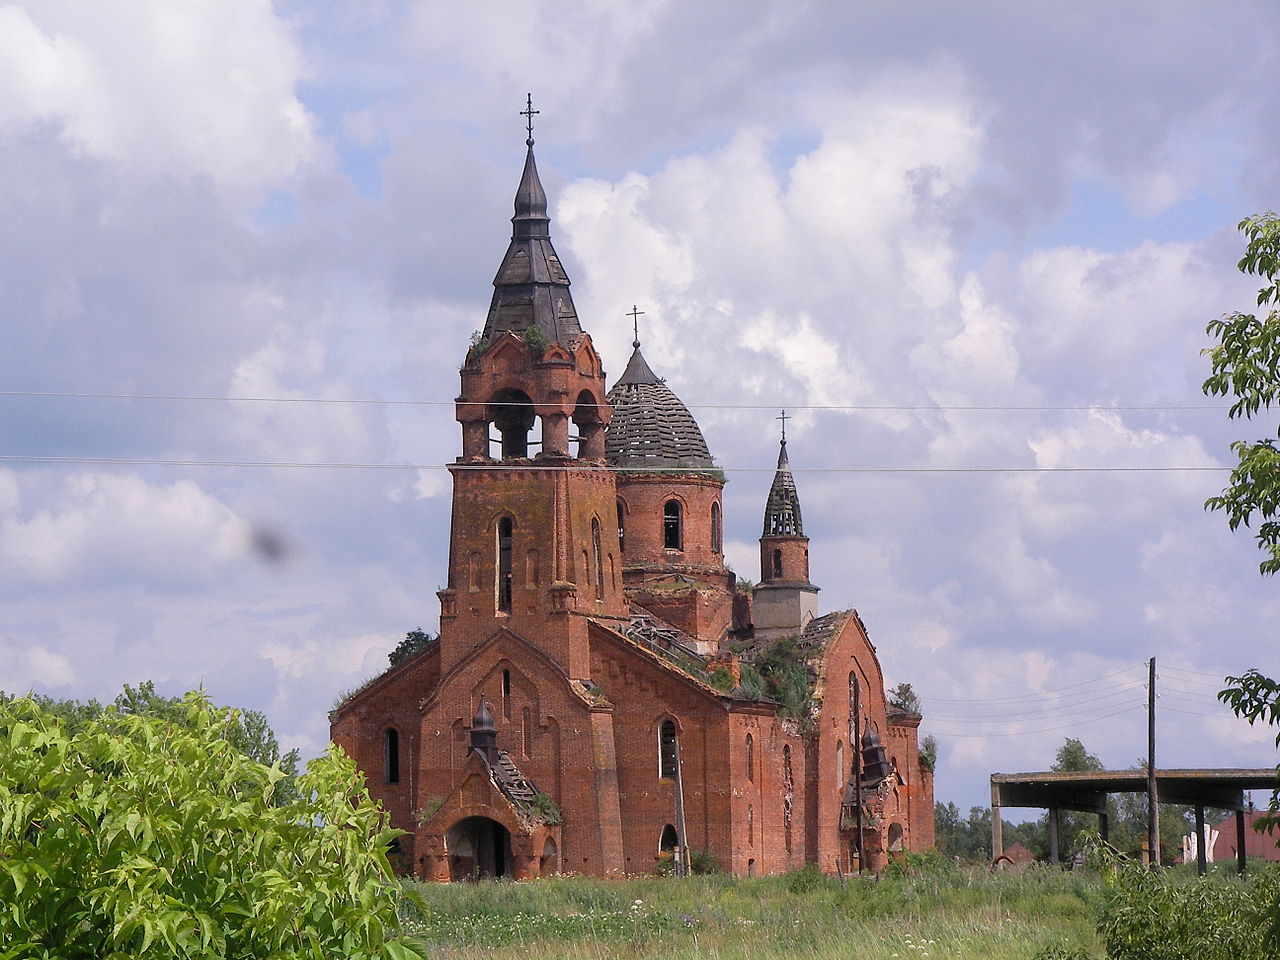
603, 692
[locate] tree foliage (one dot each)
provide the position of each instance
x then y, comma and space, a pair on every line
1255, 697
1246, 365
413, 642
131, 834
904, 698
246, 730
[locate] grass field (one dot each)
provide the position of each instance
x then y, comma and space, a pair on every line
966, 913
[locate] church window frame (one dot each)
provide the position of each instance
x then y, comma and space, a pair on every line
777, 564
506, 694
668, 750
622, 526
391, 755
505, 530
717, 531
750, 755
673, 525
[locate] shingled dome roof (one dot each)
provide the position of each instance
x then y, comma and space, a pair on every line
650, 426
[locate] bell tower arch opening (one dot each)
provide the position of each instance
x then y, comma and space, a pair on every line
511, 411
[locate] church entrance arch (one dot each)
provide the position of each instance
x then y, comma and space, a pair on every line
478, 848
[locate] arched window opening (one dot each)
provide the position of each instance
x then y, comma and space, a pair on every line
511, 411
751, 825
672, 532
855, 708
717, 540
839, 764
505, 529
751, 868
391, 755
669, 840
777, 563
506, 694
668, 750
751, 757
597, 558
622, 530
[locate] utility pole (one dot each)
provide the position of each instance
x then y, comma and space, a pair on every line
1153, 800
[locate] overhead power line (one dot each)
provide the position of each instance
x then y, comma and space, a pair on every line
551, 468
1027, 733
935, 407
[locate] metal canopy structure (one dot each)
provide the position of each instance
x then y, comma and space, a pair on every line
1087, 790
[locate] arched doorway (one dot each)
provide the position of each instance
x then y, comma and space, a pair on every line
478, 848
668, 841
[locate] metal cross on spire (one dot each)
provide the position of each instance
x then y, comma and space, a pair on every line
784, 418
529, 113
635, 316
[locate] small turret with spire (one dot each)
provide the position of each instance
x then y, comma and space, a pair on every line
785, 601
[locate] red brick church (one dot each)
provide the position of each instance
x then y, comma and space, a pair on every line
604, 693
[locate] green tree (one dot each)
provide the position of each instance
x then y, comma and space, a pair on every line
1246, 364
132, 835
247, 730
1072, 756
413, 642
1255, 697
904, 698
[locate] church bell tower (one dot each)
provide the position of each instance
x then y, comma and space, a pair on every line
534, 539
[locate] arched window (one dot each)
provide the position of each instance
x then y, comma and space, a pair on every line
777, 563
717, 538
622, 530
672, 532
505, 527
839, 764
511, 411
751, 825
506, 694
668, 750
391, 755
597, 560
751, 758
855, 708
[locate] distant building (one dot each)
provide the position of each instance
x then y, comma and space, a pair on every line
1260, 845
596, 696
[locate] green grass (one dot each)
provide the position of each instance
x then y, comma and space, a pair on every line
940, 912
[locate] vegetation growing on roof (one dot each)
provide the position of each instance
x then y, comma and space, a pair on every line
414, 641
783, 671
902, 697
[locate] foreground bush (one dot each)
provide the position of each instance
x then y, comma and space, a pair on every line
142, 837
1162, 915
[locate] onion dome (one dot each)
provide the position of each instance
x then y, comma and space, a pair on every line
531, 288
650, 426
782, 509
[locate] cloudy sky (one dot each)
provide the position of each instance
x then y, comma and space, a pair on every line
966, 245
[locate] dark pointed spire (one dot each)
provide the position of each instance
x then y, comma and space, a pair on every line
782, 509
531, 288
